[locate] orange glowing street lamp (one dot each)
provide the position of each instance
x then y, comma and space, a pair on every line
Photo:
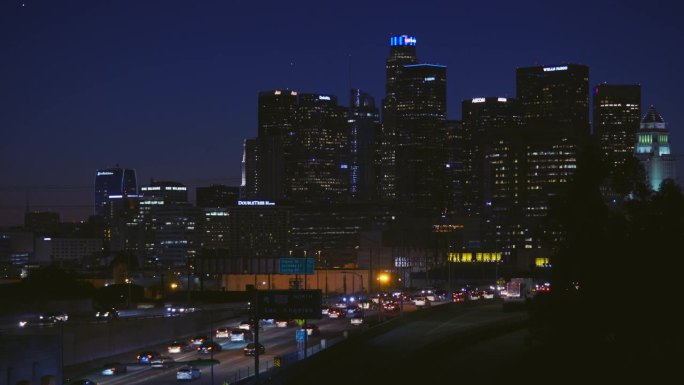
383, 278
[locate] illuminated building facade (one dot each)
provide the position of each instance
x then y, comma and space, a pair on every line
319, 170
653, 149
494, 160
555, 106
402, 52
414, 130
258, 233
169, 223
616, 116
113, 183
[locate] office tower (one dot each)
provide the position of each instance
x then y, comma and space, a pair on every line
364, 134
113, 183
494, 148
555, 99
319, 168
402, 52
216, 195
555, 105
266, 159
491, 128
414, 130
616, 116
653, 149
170, 224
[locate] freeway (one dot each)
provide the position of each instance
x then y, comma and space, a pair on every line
232, 363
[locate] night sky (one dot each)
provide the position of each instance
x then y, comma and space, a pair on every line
170, 87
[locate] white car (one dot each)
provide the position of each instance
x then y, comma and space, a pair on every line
222, 333
188, 373
245, 325
240, 335
420, 301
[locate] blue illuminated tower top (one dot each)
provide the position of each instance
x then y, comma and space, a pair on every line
402, 40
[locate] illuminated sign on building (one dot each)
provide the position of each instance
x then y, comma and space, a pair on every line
100, 173
445, 228
502, 99
323, 97
430, 79
402, 40
475, 257
255, 203
552, 69
478, 100
542, 262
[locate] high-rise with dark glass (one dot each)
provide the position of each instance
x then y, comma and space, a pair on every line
267, 158
493, 161
616, 116
555, 105
319, 162
414, 129
113, 183
364, 134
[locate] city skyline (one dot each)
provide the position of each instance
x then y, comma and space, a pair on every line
181, 81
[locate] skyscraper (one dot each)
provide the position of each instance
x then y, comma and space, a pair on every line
266, 159
653, 149
555, 105
113, 183
364, 134
616, 113
319, 169
414, 129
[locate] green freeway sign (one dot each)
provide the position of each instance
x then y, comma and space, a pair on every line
296, 266
288, 304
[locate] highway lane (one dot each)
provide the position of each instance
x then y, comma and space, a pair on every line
233, 363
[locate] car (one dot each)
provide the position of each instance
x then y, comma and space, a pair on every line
223, 333
188, 373
246, 325
311, 330
283, 323
146, 357
83, 381
162, 362
114, 368
53, 317
253, 348
356, 319
179, 347
458, 296
337, 313
109, 314
420, 301
209, 347
198, 340
240, 335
